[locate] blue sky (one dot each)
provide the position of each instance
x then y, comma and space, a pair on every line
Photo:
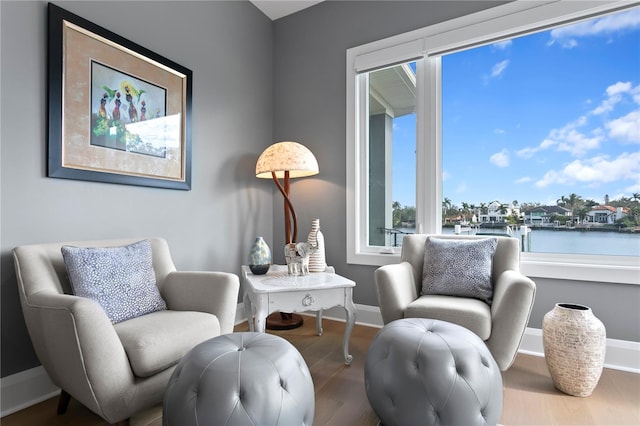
538, 117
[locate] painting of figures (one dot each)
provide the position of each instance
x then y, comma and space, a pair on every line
118, 102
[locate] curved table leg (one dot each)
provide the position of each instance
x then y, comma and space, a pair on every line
351, 320
261, 318
319, 322
248, 311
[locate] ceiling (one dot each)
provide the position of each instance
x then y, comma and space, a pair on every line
275, 9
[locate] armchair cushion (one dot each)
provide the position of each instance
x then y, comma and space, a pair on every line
120, 279
157, 341
459, 267
472, 314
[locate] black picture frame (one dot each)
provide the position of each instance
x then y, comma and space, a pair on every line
118, 112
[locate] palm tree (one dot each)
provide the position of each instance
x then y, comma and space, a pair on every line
465, 210
446, 205
574, 201
582, 212
590, 203
474, 211
397, 214
503, 211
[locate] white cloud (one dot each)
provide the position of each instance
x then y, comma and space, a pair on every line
635, 94
547, 143
633, 188
499, 68
595, 170
549, 178
570, 139
527, 152
626, 128
614, 95
612, 197
461, 188
605, 26
578, 143
573, 139
499, 131
523, 180
618, 88
565, 43
502, 45
500, 159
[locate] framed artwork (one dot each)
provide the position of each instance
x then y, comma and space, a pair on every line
118, 112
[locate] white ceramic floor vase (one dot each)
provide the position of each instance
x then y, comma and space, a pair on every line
574, 348
317, 259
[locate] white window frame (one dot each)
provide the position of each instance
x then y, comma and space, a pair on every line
425, 46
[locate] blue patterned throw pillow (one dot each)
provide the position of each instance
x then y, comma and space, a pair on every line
120, 279
459, 267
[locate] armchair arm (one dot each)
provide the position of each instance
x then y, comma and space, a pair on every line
212, 292
513, 297
396, 289
79, 348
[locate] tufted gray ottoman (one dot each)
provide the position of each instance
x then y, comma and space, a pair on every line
428, 372
240, 379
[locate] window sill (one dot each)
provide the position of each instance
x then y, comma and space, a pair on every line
605, 269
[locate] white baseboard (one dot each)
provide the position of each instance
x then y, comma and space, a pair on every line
620, 354
24, 389
29, 387
365, 315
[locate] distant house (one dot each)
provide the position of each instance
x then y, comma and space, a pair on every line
498, 212
544, 215
606, 214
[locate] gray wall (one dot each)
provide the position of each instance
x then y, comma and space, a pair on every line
229, 48
310, 73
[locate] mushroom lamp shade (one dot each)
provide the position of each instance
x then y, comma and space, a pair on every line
286, 156
285, 160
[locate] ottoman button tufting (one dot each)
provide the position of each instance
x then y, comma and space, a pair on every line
240, 379
428, 372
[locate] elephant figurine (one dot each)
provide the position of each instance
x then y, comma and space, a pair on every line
297, 256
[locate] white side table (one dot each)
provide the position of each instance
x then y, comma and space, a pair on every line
277, 291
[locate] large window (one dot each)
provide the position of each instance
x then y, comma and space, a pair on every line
472, 127
391, 135
542, 130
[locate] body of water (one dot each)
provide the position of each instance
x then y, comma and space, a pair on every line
574, 242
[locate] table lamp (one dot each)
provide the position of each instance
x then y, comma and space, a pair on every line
286, 160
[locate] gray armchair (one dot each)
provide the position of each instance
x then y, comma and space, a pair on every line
117, 370
500, 324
